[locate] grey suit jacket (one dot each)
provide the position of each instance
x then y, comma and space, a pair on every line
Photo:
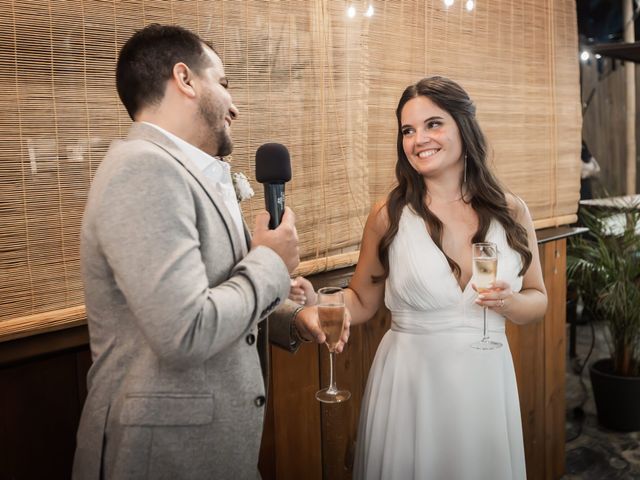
176, 388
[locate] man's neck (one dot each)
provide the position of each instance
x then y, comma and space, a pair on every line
170, 124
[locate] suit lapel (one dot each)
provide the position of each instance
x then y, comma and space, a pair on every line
155, 136
247, 234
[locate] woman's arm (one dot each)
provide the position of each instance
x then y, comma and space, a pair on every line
363, 297
530, 304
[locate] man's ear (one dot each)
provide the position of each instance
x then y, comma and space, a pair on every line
184, 79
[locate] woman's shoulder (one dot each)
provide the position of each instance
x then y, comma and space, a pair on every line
519, 210
516, 206
378, 220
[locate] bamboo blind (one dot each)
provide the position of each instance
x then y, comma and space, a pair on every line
302, 73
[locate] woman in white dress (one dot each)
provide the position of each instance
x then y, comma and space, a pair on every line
435, 408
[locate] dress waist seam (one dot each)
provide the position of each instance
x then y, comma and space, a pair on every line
457, 330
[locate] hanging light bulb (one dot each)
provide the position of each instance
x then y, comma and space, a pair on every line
448, 3
369, 12
469, 5
584, 56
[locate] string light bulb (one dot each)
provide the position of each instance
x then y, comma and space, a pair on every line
448, 3
469, 5
369, 12
351, 11
584, 56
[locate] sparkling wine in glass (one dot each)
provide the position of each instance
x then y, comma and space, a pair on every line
331, 315
485, 267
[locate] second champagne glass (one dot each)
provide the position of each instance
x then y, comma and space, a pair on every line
485, 267
331, 314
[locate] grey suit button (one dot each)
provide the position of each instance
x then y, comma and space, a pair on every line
260, 401
251, 339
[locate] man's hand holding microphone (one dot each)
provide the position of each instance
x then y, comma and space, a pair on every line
283, 240
276, 229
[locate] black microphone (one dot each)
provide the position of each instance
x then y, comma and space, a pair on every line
273, 169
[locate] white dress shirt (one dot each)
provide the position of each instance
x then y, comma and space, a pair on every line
218, 172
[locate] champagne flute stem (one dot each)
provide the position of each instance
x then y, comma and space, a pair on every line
484, 328
332, 376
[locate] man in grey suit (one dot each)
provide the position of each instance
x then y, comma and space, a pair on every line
174, 289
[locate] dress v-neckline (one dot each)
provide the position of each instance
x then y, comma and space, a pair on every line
461, 290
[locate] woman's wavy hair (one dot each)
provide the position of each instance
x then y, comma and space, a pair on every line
482, 189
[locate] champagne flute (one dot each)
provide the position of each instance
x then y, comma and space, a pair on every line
331, 315
485, 266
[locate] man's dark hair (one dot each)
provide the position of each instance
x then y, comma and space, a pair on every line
146, 62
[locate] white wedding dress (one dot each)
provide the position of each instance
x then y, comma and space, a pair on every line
435, 408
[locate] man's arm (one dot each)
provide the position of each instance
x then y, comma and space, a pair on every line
146, 224
281, 327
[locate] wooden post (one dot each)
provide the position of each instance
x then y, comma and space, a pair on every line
630, 68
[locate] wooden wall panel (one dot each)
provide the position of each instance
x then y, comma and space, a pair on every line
42, 397
40, 404
539, 359
527, 347
297, 436
555, 268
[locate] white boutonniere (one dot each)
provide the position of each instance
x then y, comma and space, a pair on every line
242, 186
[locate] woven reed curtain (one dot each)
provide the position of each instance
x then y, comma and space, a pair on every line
303, 73
518, 61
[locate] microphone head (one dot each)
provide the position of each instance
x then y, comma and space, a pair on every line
273, 164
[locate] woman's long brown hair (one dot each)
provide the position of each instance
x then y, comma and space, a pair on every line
482, 189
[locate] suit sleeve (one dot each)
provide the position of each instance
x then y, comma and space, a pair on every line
146, 225
280, 326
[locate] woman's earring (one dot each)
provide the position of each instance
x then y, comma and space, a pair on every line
464, 178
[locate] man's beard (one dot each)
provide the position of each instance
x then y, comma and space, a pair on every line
210, 112
225, 144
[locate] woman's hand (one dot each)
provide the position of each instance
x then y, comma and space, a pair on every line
497, 297
302, 292
308, 326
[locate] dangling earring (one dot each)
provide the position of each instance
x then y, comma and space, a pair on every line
464, 175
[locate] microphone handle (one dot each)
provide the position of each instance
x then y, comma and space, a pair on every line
274, 202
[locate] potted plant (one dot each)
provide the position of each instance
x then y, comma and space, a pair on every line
605, 267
